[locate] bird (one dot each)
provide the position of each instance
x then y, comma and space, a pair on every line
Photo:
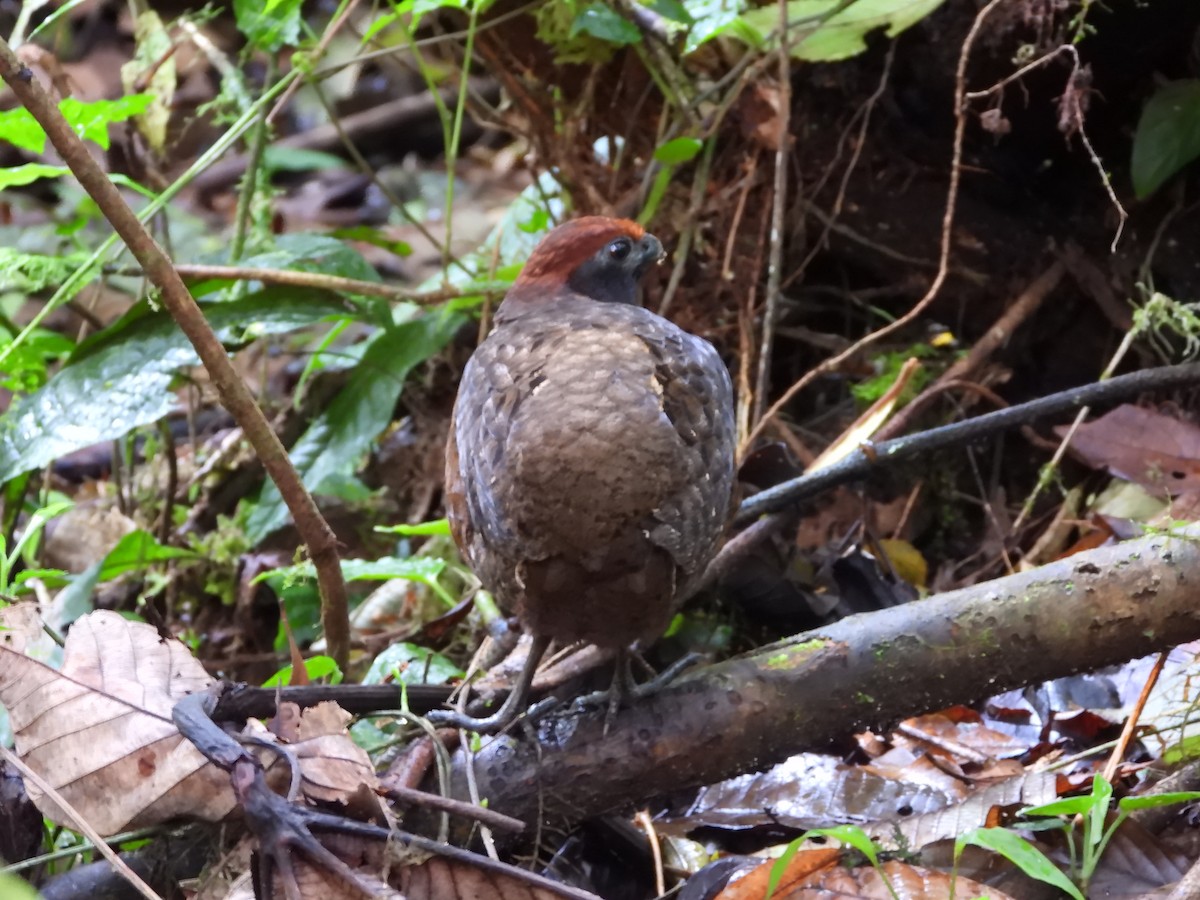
590, 466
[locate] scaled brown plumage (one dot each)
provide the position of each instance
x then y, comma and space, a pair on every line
590, 466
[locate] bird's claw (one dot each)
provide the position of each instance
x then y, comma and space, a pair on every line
624, 690
667, 675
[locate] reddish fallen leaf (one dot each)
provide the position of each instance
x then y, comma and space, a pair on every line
1144, 446
814, 874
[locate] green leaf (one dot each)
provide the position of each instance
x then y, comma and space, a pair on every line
410, 664
1167, 136
335, 443
14, 888
1069, 806
75, 599
1153, 801
298, 159
20, 128
32, 272
673, 11
779, 868
420, 7
710, 19
678, 151
417, 568
27, 174
605, 23
268, 27
30, 172
842, 34
1182, 751
1028, 858
424, 529
852, 836
137, 550
1101, 799
120, 378
53, 577
424, 569
26, 368
89, 119
315, 667
378, 24
318, 253
375, 237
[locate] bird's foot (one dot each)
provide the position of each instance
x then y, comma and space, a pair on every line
497, 721
624, 690
666, 676
512, 707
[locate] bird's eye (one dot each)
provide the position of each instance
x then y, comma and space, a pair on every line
619, 249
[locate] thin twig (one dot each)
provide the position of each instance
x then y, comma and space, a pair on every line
863, 113
249, 187
878, 457
340, 18
79, 822
335, 283
998, 335
170, 453
909, 317
1069, 50
1135, 714
684, 247
778, 205
643, 821
367, 169
235, 396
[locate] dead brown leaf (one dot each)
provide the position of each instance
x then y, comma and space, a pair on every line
1154, 450
100, 730
817, 874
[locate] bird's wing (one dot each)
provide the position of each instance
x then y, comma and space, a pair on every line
697, 398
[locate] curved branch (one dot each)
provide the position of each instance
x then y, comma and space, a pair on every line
863, 463
1093, 609
235, 396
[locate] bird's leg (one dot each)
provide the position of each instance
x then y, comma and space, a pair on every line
512, 706
624, 689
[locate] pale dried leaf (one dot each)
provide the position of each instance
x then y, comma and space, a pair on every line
20, 626
84, 535
100, 730
1027, 789
332, 767
322, 719
944, 734
809, 791
444, 879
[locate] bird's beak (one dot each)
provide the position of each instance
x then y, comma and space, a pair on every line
652, 250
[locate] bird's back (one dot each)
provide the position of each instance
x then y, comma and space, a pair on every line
591, 468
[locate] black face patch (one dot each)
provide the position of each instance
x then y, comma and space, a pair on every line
612, 274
